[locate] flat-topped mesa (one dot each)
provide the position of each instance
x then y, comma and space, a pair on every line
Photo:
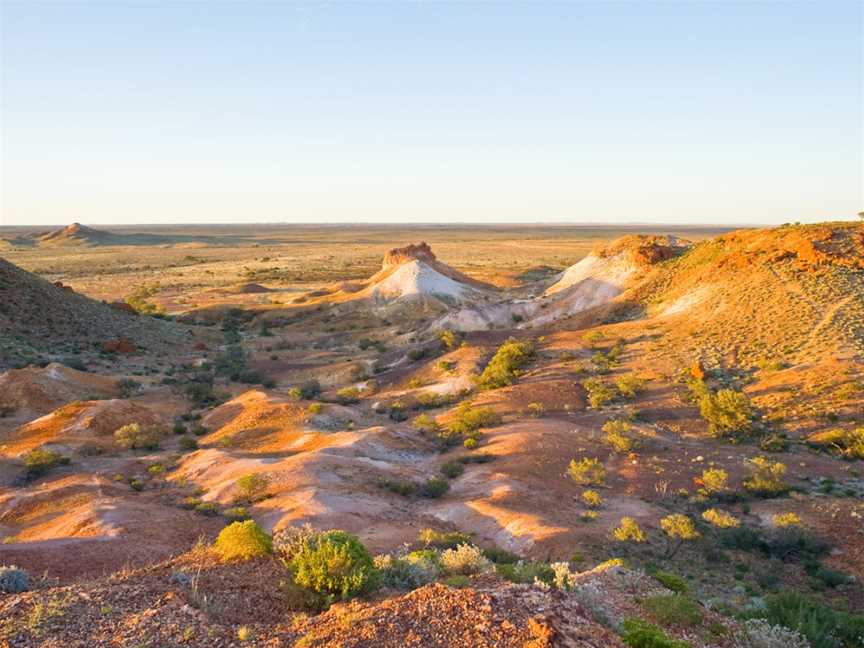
419, 252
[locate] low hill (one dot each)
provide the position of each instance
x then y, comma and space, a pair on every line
41, 320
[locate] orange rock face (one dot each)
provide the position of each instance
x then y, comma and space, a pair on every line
421, 251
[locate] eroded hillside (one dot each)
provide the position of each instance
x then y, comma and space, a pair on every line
691, 408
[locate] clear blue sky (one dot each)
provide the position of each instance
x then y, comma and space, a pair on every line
678, 112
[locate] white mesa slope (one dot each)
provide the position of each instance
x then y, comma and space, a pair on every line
415, 279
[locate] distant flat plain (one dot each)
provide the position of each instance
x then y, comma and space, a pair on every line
183, 259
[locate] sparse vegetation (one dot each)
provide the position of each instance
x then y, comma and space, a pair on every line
39, 461
13, 579
505, 365
587, 471
134, 436
242, 541
766, 478
728, 413
628, 530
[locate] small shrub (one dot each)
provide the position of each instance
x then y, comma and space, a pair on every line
822, 626
674, 610
503, 368
678, 528
406, 573
629, 385
785, 519
720, 519
637, 633
766, 478
426, 424
290, 540
188, 443
252, 487
435, 488
671, 581
465, 559
39, 461
348, 395
619, 435
741, 538
714, 480
13, 580
236, 513
587, 471
469, 419
599, 393
457, 581
758, 633
443, 539
535, 410
628, 530
452, 469
242, 541
728, 412
592, 498
501, 556
135, 437
334, 563
526, 572
449, 339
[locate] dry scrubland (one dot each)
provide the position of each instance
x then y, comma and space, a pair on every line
508, 437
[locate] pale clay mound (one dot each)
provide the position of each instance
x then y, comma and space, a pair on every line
416, 278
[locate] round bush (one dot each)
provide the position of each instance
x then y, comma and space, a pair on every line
334, 563
13, 580
243, 540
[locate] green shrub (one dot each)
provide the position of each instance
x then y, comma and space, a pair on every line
821, 625
426, 424
526, 572
452, 469
503, 368
348, 395
619, 435
468, 419
587, 471
629, 385
629, 530
39, 461
637, 633
188, 443
501, 556
334, 563
135, 437
671, 581
435, 488
728, 412
236, 513
599, 392
674, 610
398, 486
465, 559
409, 572
443, 539
242, 541
457, 581
766, 478
252, 487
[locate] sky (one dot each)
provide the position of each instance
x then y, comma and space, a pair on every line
120, 112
